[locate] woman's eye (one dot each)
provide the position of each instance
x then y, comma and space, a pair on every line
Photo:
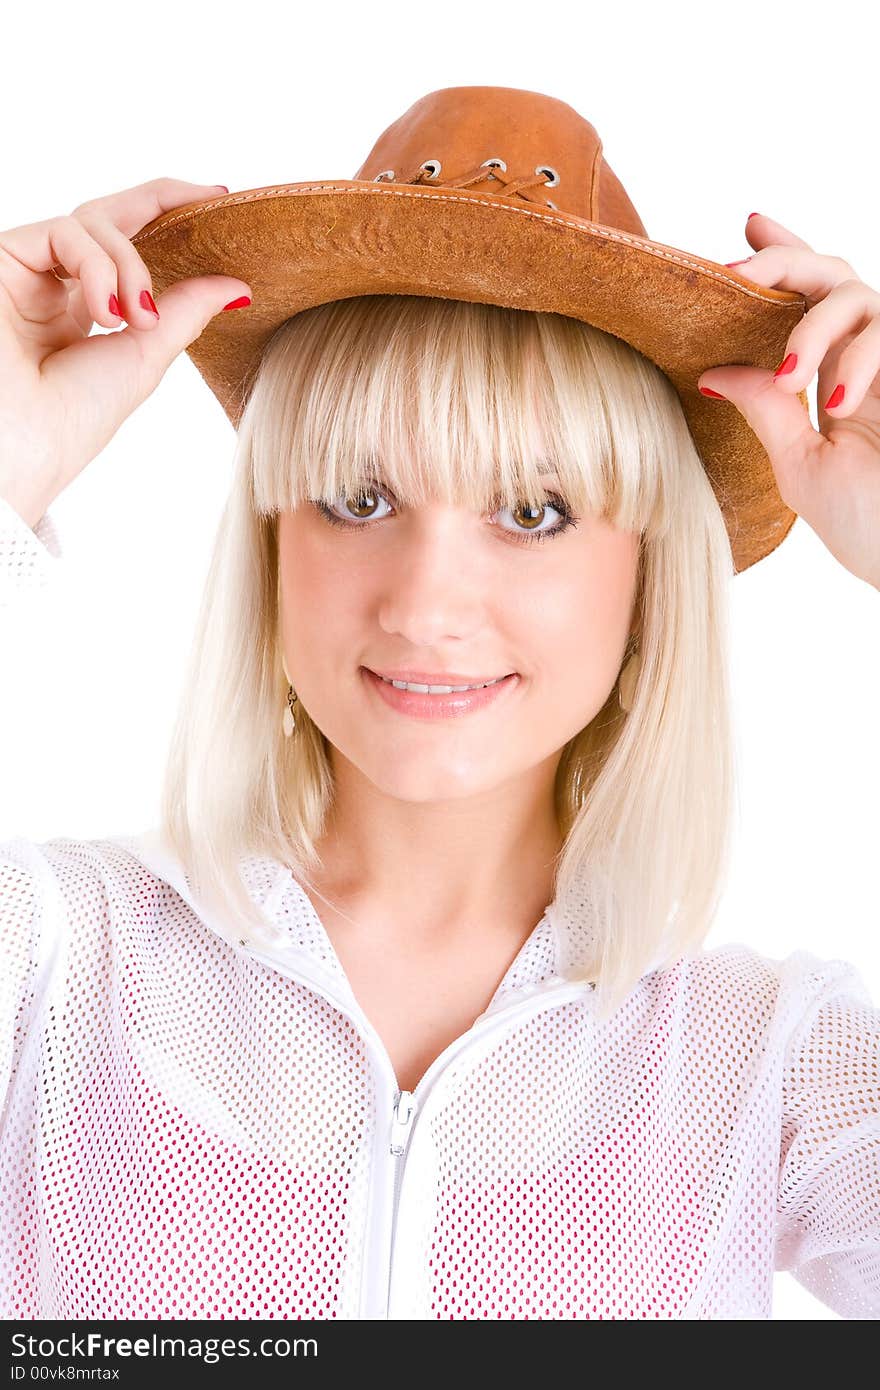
360, 507
529, 517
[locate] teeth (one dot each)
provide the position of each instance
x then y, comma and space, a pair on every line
437, 689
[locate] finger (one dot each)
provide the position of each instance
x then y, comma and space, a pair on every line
132, 278
780, 422
823, 333
26, 253
115, 372
38, 246
79, 310
762, 231
114, 219
796, 268
132, 208
857, 372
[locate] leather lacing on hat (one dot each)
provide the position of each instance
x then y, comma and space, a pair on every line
545, 176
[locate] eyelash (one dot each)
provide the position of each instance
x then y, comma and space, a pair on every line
524, 538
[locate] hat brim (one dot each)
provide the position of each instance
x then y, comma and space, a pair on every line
302, 244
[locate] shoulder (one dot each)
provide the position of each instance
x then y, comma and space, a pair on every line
743, 970
736, 990
105, 873
83, 885
62, 903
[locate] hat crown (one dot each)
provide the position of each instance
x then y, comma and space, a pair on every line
549, 154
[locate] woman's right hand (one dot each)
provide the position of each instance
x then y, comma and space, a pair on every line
64, 394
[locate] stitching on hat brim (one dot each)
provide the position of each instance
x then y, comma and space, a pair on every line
595, 229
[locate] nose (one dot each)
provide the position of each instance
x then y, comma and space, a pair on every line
431, 588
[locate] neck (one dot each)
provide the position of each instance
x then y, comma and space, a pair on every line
441, 868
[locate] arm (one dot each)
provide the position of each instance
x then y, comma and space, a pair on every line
828, 1231
28, 556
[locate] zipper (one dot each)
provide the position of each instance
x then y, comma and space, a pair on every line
410, 1104
396, 1124
401, 1125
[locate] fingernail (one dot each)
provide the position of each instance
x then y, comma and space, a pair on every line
146, 302
742, 262
114, 306
787, 365
836, 398
223, 186
751, 215
707, 391
237, 303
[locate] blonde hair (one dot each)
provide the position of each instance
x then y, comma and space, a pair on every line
467, 401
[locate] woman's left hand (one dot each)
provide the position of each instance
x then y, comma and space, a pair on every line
829, 476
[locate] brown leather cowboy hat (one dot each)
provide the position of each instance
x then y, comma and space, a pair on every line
499, 196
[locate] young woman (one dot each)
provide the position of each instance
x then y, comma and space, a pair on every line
402, 1011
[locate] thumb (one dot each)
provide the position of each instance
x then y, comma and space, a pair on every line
776, 415
185, 310
116, 371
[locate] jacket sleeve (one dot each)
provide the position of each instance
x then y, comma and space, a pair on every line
828, 1207
30, 912
28, 555
29, 899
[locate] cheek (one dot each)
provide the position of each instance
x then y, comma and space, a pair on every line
575, 624
309, 569
312, 570
583, 609
320, 597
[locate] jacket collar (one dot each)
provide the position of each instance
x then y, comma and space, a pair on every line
558, 947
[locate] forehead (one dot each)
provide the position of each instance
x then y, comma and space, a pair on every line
379, 471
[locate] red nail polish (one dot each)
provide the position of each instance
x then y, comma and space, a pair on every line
836, 398
742, 262
114, 306
707, 391
237, 303
787, 365
751, 215
146, 302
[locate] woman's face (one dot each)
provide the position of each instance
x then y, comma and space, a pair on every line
442, 590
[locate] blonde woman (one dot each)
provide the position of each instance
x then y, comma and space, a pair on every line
402, 1011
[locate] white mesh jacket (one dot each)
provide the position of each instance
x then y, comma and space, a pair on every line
195, 1128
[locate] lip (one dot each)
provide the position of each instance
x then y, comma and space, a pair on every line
433, 677
423, 706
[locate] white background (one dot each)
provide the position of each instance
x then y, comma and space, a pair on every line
706, 115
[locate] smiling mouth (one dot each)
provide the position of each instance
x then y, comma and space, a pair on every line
425, 702
439, 685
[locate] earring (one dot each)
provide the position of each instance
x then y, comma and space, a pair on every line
627, 682
288, 723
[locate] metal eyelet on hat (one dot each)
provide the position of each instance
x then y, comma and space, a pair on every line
433, 166
385, 174
494, 163
548, 169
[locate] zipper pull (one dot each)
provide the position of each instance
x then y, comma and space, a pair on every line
401, 1120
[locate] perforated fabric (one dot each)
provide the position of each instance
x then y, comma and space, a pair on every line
195, 1128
